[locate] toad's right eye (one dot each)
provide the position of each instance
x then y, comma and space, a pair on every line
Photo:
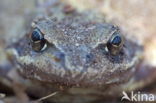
36, 35
37, 40
115, 43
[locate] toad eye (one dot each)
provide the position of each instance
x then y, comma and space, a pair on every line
36, 35
115, 43
37, 40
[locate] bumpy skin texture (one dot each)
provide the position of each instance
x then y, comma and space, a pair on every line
76, 59
76, 54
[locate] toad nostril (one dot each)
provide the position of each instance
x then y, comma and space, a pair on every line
89, 57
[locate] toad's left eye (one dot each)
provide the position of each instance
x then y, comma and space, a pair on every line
36, 35
115, 43
38, 41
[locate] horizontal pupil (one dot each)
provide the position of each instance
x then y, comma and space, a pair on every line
116, 41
